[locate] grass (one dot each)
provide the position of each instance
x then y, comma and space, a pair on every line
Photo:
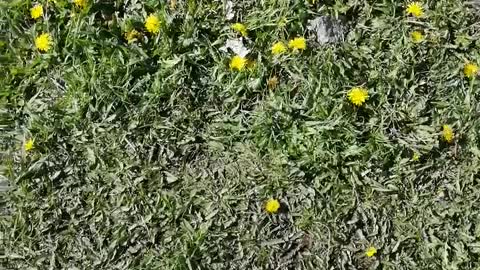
155, 155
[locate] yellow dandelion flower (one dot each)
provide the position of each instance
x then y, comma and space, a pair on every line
415, 9
239, 63
152, 24
28, 144
240, 28
371, 251
132, 36
417, 37
448, 133
358, 95
298, 43
278, 48
36, 11
470, 70
272, 206
80, 3
43, 42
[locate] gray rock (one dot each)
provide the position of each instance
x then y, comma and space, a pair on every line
327, 29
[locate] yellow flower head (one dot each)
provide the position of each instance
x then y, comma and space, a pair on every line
152, 24
239, 63
240, 28
415, 9
278, 48
470, 70
80, 3
416, 156
28, 144
132, 36
417, 37
448, 133
371, 251
358, 95
36, 11
272, 206
298, 43
43, 42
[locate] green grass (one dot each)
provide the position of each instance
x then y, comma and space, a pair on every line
155, 155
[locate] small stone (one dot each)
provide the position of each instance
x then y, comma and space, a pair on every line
327, 29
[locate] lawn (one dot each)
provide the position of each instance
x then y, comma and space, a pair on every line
207, 134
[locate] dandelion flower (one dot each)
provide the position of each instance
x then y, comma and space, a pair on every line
371, 251
448, 133
80, 3
417, 37
152, 24
36, 11
358, 95
132, 36
272, 206
43, 42
470, 70
240, 28
278, 48
28, 144
415, 9
239, 63
298, 43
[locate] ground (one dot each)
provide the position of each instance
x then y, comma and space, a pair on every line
153, 150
